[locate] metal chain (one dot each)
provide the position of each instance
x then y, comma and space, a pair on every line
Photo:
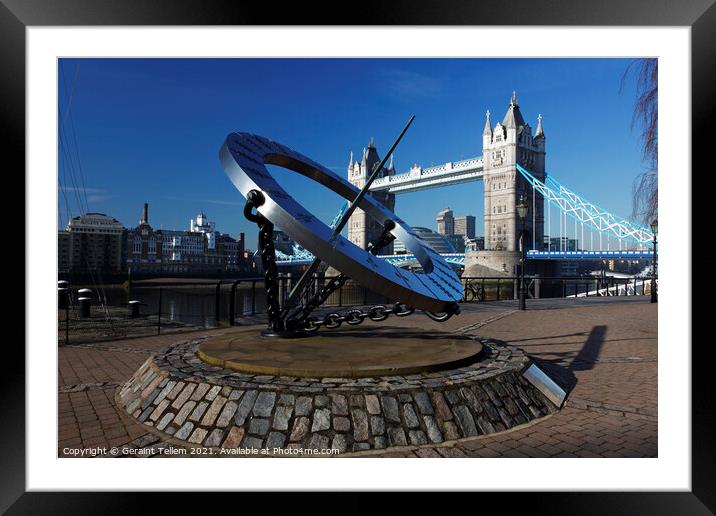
300, 320
268, 259
356, 316
300, 317
452, 309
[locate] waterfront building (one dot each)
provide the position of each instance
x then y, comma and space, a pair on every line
182, 251
457, 229
465, 226
63, 251
435, 240
201, 224
92, 243
228, 249
241, 242
199, 250
458, 242
446, 222
244, 256
438, 242
144, 246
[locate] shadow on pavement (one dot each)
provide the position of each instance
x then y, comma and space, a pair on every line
554, 368
589, 353
562, 376
583, 361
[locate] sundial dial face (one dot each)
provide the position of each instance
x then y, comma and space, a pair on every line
244, 158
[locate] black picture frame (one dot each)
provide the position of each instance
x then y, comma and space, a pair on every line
700, 15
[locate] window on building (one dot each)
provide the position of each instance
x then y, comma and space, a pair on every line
137, 245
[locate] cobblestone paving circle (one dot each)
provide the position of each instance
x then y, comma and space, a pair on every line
179, 396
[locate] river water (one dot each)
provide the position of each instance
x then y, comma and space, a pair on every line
195, 304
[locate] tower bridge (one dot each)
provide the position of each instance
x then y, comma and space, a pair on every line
505, 145
417, 178
512, 167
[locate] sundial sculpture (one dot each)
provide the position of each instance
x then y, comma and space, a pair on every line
376, 371
436, 290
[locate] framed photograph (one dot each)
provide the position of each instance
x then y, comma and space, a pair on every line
430, 239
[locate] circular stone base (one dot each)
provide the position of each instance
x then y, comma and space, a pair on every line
190, 402
350, 353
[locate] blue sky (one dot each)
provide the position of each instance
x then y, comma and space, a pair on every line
149, 130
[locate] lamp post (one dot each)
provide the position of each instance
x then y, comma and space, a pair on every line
654, 227
522, 213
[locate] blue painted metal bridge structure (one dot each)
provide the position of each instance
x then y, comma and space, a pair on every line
610, 237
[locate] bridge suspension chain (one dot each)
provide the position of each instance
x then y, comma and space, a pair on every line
549, 225
534, 217
580, 209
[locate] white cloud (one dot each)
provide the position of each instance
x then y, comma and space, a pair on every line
94, 198
79, 189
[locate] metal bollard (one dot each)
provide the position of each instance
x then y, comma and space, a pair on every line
84, 303
86, 294
134, 305
63, 295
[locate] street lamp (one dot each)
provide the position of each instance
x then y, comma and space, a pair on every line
654, 227
522, 213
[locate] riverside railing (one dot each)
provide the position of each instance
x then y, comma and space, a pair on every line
160, 306
507, 287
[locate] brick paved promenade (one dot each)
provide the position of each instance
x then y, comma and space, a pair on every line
606, 347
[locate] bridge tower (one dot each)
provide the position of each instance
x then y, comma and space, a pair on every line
510, 142
362, 229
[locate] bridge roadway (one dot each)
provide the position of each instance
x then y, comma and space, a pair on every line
459, 258
609, 254
418, 178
